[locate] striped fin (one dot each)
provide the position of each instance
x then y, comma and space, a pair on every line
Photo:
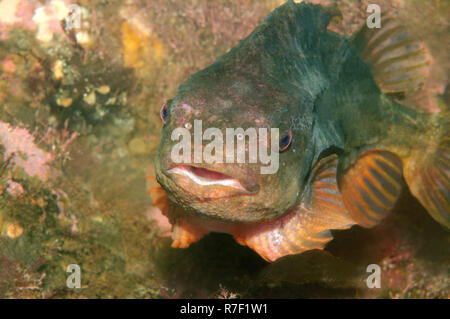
427, 173
400, 64
307, 226
326, 198
285, 236
371, 186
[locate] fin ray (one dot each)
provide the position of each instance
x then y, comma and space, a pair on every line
400, 64
427, 173
157, 193
308, 225
371, 186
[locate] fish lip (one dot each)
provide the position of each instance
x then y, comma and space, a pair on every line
207, 177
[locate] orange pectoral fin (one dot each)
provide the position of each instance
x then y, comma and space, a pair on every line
184, 234
371, 186
308, 225
157, 193
282, 237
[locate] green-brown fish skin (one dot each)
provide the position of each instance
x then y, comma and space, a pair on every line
293, 74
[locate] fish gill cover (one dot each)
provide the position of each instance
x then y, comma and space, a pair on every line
79, 129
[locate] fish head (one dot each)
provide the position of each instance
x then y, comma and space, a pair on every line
256, 190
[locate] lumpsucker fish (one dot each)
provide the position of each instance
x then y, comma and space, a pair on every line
346, 140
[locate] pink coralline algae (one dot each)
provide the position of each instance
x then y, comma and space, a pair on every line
8, 65
33, 15
15, 13
19, 145
14, 189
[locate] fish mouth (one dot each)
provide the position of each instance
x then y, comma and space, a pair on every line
209, 183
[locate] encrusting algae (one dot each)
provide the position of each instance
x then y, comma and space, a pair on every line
140, 49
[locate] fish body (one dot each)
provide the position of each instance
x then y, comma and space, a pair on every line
350, 141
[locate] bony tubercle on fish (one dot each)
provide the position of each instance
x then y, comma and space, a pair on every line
347, 140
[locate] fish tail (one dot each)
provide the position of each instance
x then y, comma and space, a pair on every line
427, 170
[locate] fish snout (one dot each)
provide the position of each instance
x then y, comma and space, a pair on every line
212, 181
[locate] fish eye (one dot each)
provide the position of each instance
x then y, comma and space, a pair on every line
164, 113
285, 140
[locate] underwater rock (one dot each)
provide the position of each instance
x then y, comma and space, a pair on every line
314, 267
